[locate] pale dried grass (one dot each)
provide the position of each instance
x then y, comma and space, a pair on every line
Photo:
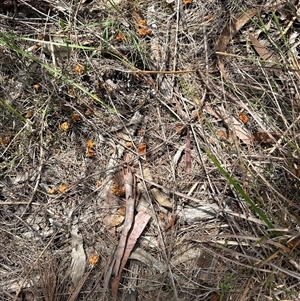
192, 265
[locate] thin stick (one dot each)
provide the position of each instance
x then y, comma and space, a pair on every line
165, 71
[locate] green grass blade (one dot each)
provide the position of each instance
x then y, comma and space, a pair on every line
12, 109
58, 74
239, 190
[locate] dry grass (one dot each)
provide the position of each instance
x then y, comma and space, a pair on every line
72, 86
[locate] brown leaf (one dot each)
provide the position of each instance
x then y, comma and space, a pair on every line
102, 86
292, 244
162, 216
228, 32
141, 131
161, 197
296, 170
140, 25
265, 138
259, 48
117, 186
232, 28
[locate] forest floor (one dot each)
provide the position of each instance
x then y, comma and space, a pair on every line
149, 150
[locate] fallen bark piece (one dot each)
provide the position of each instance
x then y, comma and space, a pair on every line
195, 215
78, 256
141, 220
129, 218
147, 259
